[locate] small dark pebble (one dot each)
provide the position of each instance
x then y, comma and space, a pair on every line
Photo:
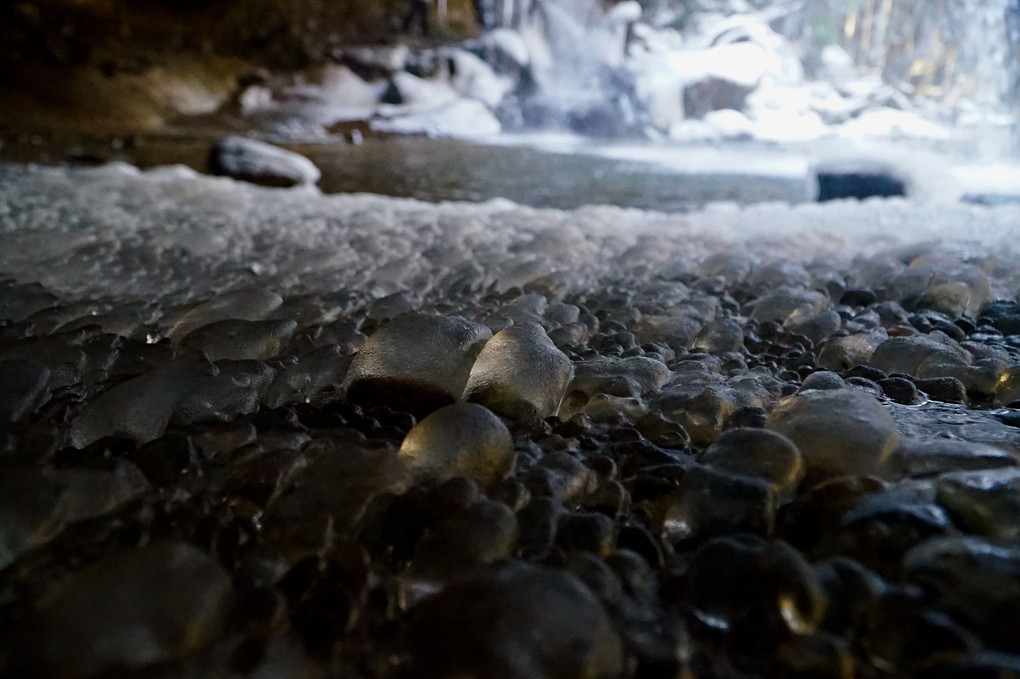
901, 390
943, 389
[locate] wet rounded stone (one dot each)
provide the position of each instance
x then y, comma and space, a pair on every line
818, 327
416, 362
707, 503
517, 622
482, 533
838, 432
586, 532
928, 457
984, 503
23, 388
520, 374
906, 354
852, 592
126, 612
978, 581
823, 379
758, 453
788, 304
943, 389
463, 439
844, 353
759, 590
139, 408
901, 390
634, 376
858, 297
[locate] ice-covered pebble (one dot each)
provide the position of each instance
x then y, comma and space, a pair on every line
140, 408
985, 503
907, 354
520, 374
518, 621
416, 362
463, 439
246, 304
35, 507
238, 340
127, 612
758, 453
839, 432
22, 388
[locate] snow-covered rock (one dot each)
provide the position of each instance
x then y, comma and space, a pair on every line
456, 118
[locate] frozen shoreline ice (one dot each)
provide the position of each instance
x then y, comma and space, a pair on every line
173, 234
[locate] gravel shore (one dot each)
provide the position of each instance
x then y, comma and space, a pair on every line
267, 432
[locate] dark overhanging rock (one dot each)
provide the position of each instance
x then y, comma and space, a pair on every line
860, 180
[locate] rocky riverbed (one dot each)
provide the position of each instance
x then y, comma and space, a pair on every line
266, 432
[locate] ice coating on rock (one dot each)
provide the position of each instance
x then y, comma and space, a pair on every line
758, 453
246, 304
140, 408
418, 362
463, 439
129, 611
186, 391
23, 388
788, 304
519, 621
34, 508
311, 375
986, 502
839, 432
632, 376
520, 374
907, 354
235, 389
843, 353
238, 340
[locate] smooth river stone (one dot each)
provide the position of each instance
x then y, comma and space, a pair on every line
841, 432
126, 612
463, 439
416, 362
520, 374
518, 622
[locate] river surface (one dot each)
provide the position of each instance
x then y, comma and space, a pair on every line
564, 172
